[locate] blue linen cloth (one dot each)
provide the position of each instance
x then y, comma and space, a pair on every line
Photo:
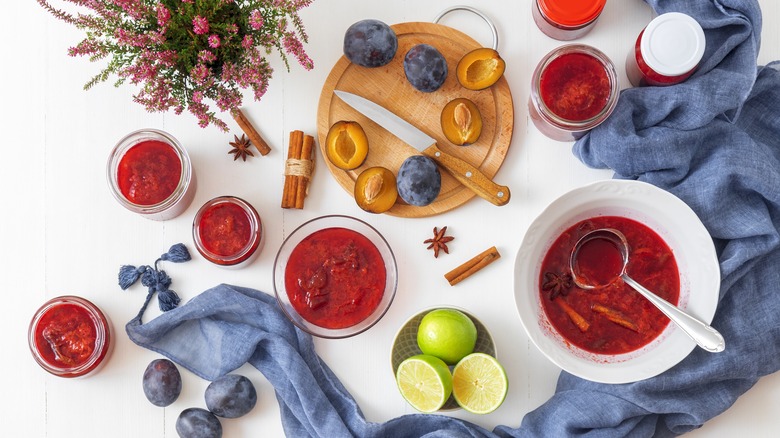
714, 141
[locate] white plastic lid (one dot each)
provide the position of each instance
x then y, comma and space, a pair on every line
672, 44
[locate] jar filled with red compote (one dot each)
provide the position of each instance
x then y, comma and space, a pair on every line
566, 20
149, 173
573, 89
228, 232
70, 337
666, 52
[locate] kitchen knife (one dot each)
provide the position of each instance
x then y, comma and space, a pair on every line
464, 172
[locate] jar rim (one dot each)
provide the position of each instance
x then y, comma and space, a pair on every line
129, 141
252, 245
102, 337
575, 125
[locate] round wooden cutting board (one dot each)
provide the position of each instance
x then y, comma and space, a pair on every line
387, 86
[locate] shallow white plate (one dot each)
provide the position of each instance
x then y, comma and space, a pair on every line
668, 216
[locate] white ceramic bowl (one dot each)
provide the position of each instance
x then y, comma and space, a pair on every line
679, 227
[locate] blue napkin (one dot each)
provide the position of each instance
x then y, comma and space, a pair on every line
714, 141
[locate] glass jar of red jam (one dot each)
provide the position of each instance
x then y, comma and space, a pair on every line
70, 337
228, 232
566, 20
573, 89
150, 173
666, 52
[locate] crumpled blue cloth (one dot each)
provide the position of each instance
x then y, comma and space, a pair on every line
714, 141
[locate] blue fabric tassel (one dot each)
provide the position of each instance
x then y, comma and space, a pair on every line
155, 280
177, 254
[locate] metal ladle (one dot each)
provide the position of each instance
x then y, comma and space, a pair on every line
704, 335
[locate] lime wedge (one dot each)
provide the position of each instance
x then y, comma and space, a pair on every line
479, 383
425, 382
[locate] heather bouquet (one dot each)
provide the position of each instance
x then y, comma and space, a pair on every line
188, 54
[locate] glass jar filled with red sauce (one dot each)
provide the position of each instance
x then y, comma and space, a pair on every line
228, 232
573, 89
666, 52
612, 319
566, 20
150, 173
70, 337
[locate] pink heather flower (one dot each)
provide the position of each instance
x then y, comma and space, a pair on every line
248, 42
206, 56
200, 25
256, 20
197, 96
163, 15
214, 41
294, 47
232, 28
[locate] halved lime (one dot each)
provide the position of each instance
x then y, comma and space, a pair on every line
479, 383
425, 382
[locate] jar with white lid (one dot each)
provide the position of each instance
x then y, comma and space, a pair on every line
667, 51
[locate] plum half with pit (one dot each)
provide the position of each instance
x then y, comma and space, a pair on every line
231, 396
370, 43
418, 181
425, 68
198, 423
162, 382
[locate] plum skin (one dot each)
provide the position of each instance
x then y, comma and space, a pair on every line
370, 43
162, 382
425, 68
198, 423
231, 396
418, 181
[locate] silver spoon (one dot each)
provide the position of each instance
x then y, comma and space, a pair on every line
704, 335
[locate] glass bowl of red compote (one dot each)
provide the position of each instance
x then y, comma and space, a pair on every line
335, 276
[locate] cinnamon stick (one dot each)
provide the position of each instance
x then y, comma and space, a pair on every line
472, 266
303, 179
250, 132
290, 182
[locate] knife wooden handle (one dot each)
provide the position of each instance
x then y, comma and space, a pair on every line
470, 176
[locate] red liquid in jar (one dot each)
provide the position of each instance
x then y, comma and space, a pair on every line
225, 229
651, 263
598, 262
65, 336
575, 87
335, 278
149, 172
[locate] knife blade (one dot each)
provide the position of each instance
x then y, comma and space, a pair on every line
465, 173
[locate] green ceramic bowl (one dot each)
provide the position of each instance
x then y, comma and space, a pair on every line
405, 344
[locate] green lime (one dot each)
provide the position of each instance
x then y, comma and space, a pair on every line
447, 334
479, 383
425, 382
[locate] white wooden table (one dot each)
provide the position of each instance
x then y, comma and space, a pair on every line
63, 233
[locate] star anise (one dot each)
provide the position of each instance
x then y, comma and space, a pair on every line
557, 284
241, 148
439, 241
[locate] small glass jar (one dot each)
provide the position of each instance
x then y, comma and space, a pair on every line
70, 337
150, 173
566, 20
574, 88
228, 231
666, 52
